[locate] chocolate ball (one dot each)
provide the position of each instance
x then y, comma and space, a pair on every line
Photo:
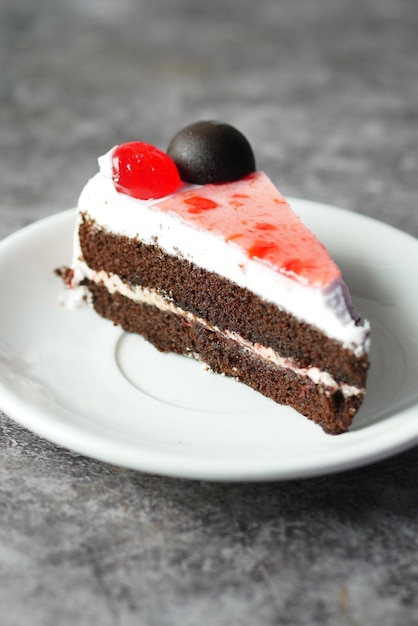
211, 152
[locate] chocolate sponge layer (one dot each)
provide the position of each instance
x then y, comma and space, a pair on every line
169, 332
220, 302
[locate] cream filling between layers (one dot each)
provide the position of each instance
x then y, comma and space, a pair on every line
150, 297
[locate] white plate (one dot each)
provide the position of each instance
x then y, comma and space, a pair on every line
80, 382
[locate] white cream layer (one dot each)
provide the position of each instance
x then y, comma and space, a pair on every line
148, 296
329, 309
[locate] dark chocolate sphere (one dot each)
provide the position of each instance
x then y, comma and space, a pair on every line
211, 152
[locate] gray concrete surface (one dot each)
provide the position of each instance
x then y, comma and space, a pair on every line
327, 93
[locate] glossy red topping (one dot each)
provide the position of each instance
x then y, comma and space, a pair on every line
252, 214
199, 203
143, 171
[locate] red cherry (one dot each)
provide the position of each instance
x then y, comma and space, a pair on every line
143, 171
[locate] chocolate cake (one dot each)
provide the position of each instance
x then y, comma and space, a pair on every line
198, 251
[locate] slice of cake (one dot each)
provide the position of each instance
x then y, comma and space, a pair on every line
201, 254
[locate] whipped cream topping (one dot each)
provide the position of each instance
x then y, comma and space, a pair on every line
329, 308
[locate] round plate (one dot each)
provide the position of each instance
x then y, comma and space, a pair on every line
77, 380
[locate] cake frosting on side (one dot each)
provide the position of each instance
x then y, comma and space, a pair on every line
226, 272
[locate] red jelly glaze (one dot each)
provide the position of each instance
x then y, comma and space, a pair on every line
200, 203
262, 249
263, 226
143, 171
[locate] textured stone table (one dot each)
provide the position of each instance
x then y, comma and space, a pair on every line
327, 92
